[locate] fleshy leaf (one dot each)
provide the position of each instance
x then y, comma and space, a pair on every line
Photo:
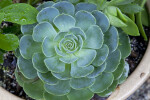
84, 19
113, 61
28, 47
47, 14
20, 13
78, 72
48, 47
111, 39
118, 72
84, 94
64, 22
124, 44
42, 30
65, 7
101, 20
60, 89
48, 96
34, 89
110, 89
64, 75
48, 78
8, 42
44, 5
27, 29
102, 82
86, 7
94, 38
97, 71
78, 31
125, 73
53, 64
84, 59
101, 56
81, 83
69, 58
130, 26
26, 68
38, 62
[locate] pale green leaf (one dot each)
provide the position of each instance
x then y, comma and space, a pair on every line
48, 96
85, 6
102, 82
84, 94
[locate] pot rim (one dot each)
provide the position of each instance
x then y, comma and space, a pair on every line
133, 82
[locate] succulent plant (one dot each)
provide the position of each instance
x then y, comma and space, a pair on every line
71, 53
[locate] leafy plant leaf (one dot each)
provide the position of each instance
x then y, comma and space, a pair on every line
19, 13
8, 42
130, 8
4, 3
120, 2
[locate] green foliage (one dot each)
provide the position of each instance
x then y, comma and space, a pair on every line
72, 52
4, 3
8, 42
19, 13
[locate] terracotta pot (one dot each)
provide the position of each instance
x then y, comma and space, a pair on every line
133, 82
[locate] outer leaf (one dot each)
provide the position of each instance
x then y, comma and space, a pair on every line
38, 62
28, 47
111, 39
81, 83
78, 72
48, 78
125, 73
94, 38
47, 14
48, 96
64, 75
85, 6
20, 13
34, 89
118, 72
44, 5
124, 44
102, 82
101, 56
65, 7
145, 17
84, 94
60, 89
64, 22
84, 59
97, 71
84, 19
113, 61
27, 68
130, 26
42, 30
101, 20
110, 89
53, 64
9, 42
27, 29
5, 3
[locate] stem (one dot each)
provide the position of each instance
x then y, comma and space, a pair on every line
139, 24
143, 3
132, 17
35, 2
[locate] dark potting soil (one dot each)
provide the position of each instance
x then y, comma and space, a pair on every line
8, 81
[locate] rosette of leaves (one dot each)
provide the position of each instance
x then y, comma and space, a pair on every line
71, 53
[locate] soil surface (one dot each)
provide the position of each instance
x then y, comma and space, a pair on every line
8, 81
